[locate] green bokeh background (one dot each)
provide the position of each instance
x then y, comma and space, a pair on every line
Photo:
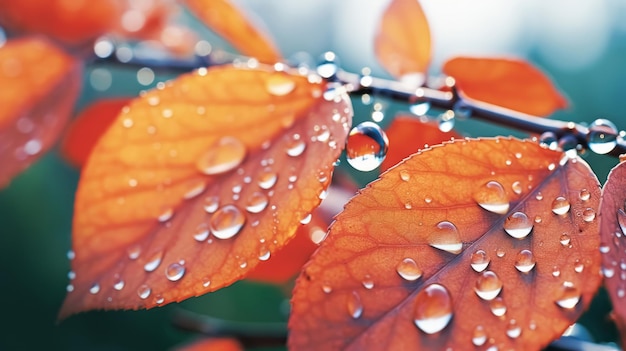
36, 211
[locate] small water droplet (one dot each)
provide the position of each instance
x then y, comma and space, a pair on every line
539, 196
497, 307
367, 282
71, 255
518, 225
327, 289
201, 233
569, 296
242, 262
602, 137
71, 275
366, 147
492, 198
428, 199
118, 285
488, 285
433, 309
69, 288
227, 222
500, 252
560, 206
578, 266
295, 146
604, 248
134, 252
264, 253
211, 203
144, 291
538, 219
608, 272
159, 299
154, 262
280, 84
479, 261
306, 219
257, 202
223, 156
517, 187
556, 271
589, 215
405, 175
565, 239
446, 237
584, 195
355, 307
408, 269
479, 337
525, 261
513, 330
94, 289
267, 179
165, 215
175, 271
621, 219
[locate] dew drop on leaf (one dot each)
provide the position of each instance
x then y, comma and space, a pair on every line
497, 307
433, 309
446, 237
513, 330
154, 262
306, 219
569, 296
175, 271
202, 232
602, 137
488, 285
479, 261
256, 202
366, 147
354, 304
560, 206
267, 179
279, 84
223, 156
584, 195
94, 289
516, 187
295, 146
227, 222
565, 239
211, 204
525, 261
144, 291
479, 336
518, 225
408, 269
492, 198
118, 285
589, 215
621, 220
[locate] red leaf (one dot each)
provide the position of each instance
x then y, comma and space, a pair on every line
402, 42
43, 85
213, 344
613, 242
397, 262
145, 213
408, 134
510, 83
85, 131
227, 20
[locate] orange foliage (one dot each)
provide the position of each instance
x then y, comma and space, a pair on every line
213, 344
230, 22
44, 84
402, 41
196, 182
464, 244
509, 83
85, 131
408, 134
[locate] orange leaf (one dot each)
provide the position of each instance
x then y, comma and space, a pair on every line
510, 83
85, 131
465, 243
613, 247
213, 344
194, 182
402, 42
43, 84
230, 22
408, 134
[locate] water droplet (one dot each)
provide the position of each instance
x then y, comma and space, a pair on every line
602, 137
405, 175
159, 299
94, 289
446, 237
71, 275
166, 215
367, 282
479, 337
479, 261
578, 266
154, 262
497, 307
488, 285
71, 255
134, 252
242, 262
227, 222
267, 179
264, 253
211, 203
560, 206
569, 296
538, 219
539, 196
257, 202
144, 291
280, 84
517, 187
556, 271
513, 330
446, 121
500, 252
202, 232
306, 219
433, 309
525, 261
321, 133
224, 155
549, 140
355, 307
565, 239
327, 289
295, 146
408, 269
584, 195
366, 147
492, 198
589, 215
608, 272
604, 248
118, 285
621, 220
518, 225
206, 282
174, 272
69, 288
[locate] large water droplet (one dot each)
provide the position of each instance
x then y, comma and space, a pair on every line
479, 337
144, 291
569, 296
154, 262
223, 156
479, 261
446, 237
257, 202
602, 137
280, 84
492, 198
354, 304
366, 147
175, 271
488, 285
525, 261
560, 205
408, 269
518, 225
227, 222
433, 309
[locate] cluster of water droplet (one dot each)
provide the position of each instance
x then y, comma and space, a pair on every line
602, 137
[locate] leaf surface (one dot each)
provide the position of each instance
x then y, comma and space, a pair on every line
613, 242
43, 84
510, 83
402, 42
229, 21
408, 134
85, 131
196, 182
396, 270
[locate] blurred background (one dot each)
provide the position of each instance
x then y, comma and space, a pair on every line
581, 45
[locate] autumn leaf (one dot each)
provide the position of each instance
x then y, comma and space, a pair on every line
85, 131
478, 242
197, 182
227, 20
408, 134
613, 242
43, 85
213, 344
510, 83
402, 42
